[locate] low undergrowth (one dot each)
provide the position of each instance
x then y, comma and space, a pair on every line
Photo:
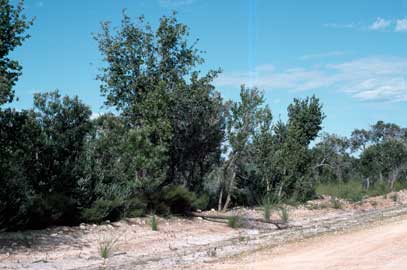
353, 190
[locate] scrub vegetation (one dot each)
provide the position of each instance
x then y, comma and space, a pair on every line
174, 144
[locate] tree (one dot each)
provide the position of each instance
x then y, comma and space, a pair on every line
382, 131
40, 154
20, 137
118, 176
332, 158
198, 124
264, 147
64, 123
13, 25
138, 60
294, 158
150, 78
385, 159
359, 139
246, 118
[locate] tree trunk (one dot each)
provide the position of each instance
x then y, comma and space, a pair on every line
220, 200
268, 189
231, 184
367, 183
225, 207
280, 189
393, 178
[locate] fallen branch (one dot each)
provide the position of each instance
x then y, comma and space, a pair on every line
278, 223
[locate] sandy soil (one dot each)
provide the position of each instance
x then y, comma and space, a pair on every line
380, 247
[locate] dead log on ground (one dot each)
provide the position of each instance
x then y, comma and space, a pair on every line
278, 223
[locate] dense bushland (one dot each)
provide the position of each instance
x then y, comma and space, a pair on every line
173, 144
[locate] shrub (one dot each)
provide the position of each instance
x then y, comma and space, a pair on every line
201, 202
102, 210
135, 207
235, 222
178, 199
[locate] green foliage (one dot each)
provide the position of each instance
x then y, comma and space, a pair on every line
284, 214
19, 144
201, 202
245, 119
107, 245
304, 119
268, 203
41, 150
235, 222
333, 160
385, 159
178, 199
353, 190
154, 223
177, 116
65, 123
102, 210
13, 25
174, 144
267, 212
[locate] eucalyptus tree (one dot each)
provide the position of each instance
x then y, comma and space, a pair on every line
360, 139
387, 159
332, 157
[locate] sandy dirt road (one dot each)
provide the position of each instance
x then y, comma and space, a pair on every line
380, 247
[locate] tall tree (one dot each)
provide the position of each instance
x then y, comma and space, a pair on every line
13, 25
304, 122
147, 68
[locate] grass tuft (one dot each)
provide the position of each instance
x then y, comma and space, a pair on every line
107, 246
284, 215
335, 203
267, 206
234, 222
154, 223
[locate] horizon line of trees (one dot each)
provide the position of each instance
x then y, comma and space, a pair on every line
173, 145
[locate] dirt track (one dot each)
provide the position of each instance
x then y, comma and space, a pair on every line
381, 247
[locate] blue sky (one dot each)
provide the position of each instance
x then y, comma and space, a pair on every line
351, 54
